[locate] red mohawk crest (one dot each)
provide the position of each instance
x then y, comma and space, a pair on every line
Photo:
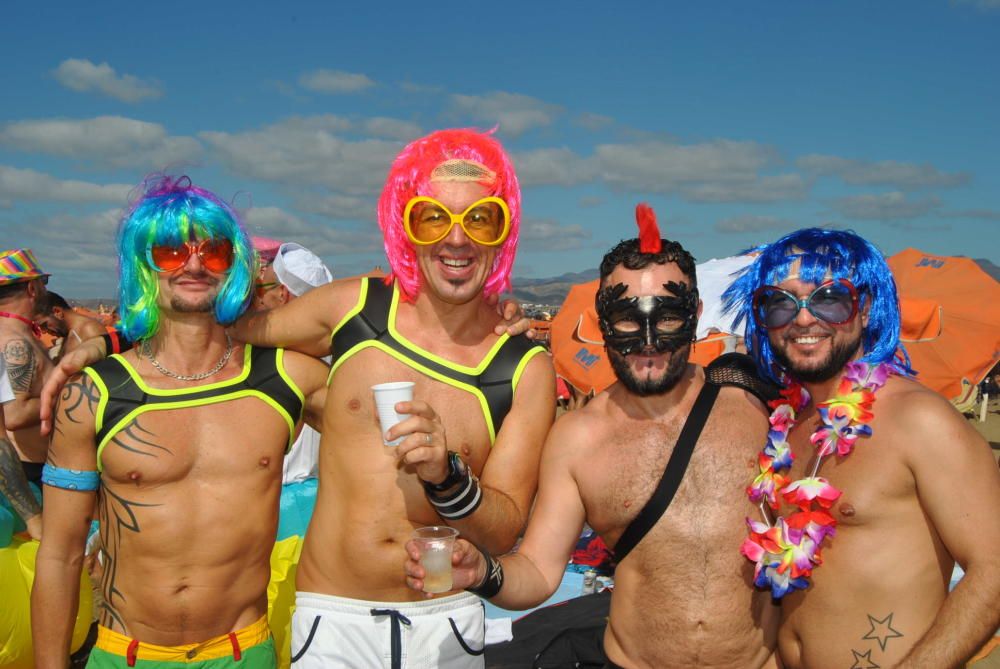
649, 233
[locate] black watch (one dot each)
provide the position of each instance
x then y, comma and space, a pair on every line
457, 471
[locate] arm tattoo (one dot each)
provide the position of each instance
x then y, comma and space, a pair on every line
13, 483
21, 364
117, 515
78, 397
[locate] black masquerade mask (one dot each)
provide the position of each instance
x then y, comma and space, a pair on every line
663, 322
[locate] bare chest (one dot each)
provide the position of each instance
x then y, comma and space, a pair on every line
872, 479
350, 405
233, 439
709, 499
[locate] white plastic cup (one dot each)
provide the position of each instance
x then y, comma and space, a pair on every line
436, 543
387, 395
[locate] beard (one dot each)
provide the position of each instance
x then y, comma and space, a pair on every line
823, 370
201, 305
676, 366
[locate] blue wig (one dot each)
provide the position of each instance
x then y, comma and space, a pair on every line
171, 211
822, 254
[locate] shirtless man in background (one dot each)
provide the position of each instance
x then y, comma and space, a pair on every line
181, 440
22, 286
909, 485
682, 598
54, 315
450, 212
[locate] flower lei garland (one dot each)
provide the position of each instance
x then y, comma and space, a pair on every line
786, 552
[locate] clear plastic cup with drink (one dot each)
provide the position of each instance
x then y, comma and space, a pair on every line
435, 545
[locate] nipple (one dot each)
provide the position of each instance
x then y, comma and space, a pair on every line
134, 476
466, 451
354, 404
628, 503
265, 461
846, 510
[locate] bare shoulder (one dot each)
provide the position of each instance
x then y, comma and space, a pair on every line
581, 430
77, 406
91, 328
924, 421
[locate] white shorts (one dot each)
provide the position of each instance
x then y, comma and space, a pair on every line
330, 631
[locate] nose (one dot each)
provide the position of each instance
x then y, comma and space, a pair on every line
803, 317
193, 262
456, 236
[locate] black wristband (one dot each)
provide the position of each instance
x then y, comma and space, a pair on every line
459, 504
492, 581
115, 342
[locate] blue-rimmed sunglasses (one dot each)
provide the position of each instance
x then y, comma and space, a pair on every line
834, 301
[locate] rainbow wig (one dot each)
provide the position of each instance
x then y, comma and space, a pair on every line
412, 174
822, 254
171, 211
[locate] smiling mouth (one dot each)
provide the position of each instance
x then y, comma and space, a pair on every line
456, 263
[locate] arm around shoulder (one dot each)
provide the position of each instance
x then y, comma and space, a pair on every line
304, 324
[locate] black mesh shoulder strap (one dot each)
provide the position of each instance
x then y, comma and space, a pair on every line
672, 475
738, 369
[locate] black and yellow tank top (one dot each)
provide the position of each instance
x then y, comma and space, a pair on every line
124, 395
371, 323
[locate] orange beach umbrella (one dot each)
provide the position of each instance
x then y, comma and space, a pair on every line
950, 313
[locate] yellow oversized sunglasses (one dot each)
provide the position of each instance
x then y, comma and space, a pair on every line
485, 221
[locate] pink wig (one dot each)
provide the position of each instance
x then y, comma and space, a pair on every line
410, 176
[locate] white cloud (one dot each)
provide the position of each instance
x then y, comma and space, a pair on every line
321, 238
307, 151
113, 141
715, 171
513, 112
391, 128
889, 206
32, 186
338, 207
750, 223
82, 75
549, 235
592, 121
334, 81
892, 173
559, 166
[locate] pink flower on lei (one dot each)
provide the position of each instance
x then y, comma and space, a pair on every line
784, 556
804, 491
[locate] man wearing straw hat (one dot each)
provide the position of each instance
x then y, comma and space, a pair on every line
22, 286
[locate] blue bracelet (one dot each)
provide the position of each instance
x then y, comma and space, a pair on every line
70, 479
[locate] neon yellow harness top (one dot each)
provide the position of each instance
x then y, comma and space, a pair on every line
124, 395
371, 323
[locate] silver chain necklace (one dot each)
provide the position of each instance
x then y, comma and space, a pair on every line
147, 350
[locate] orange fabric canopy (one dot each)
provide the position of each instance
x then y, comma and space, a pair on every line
950, 313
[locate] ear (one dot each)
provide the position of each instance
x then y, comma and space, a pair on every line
865, 312
286, 295
58, 312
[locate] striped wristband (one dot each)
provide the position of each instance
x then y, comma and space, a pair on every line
461, 503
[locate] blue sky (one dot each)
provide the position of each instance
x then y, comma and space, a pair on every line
737, 121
